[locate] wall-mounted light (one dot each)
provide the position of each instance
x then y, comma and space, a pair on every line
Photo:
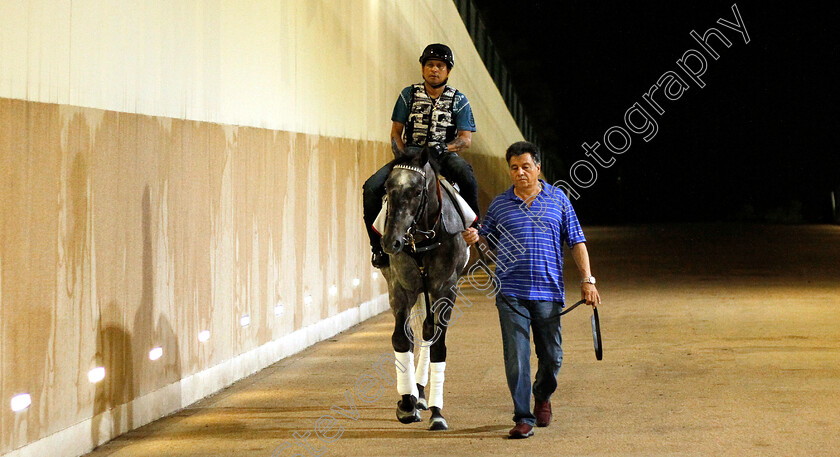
307, 299
356, 282
204, 336
278, 309
245, 320
97, 374
333, 290
21, 402
156, 353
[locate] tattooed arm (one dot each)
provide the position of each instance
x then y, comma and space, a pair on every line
397, 133
461, 142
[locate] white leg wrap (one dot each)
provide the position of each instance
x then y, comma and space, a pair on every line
422, 372
435, 391
405, 377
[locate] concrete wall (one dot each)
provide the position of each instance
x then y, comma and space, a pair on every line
170, 167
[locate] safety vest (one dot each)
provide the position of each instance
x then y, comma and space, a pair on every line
430, 121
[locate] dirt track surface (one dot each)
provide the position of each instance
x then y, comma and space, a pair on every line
718, 340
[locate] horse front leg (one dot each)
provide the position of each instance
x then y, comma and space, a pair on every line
435, 329
403, 353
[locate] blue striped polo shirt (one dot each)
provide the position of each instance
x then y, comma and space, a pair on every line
528, 242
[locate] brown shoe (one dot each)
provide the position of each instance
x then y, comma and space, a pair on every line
522, 430
542, 409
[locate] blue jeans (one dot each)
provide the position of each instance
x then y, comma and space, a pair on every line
516, 343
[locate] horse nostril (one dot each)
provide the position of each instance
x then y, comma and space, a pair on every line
398, 244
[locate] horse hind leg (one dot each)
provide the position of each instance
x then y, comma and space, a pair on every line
421, 375
422, 372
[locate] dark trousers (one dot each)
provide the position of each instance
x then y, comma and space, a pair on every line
452, 166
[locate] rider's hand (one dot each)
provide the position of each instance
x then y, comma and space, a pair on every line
470, 236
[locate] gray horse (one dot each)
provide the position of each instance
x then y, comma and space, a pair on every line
421, 236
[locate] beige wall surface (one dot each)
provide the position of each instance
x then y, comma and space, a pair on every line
328, 67
168, 167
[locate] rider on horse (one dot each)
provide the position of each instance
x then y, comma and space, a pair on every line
430, 114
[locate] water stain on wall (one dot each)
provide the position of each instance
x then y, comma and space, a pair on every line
123, 232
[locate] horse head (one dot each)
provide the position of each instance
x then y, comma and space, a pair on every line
408, 188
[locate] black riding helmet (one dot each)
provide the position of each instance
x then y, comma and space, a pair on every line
440, 52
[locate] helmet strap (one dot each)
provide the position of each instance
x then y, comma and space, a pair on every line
437, 86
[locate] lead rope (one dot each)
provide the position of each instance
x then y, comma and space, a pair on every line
425, 278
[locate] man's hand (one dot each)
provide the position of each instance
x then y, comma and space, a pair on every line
470, 236
590, 293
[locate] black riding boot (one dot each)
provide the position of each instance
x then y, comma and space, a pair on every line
372, 193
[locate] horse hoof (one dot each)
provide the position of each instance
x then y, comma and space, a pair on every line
437, 422
421, 402
407, 417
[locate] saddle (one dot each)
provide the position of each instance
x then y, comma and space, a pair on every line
450, 199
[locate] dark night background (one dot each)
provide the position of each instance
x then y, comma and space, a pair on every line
757, 143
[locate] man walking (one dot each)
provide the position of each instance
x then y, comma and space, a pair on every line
527, 226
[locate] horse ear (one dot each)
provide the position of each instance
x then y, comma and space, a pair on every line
396, 149
424, 156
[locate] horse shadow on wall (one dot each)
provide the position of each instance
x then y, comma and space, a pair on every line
130, 374
113, 351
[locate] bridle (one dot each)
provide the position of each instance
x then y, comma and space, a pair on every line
412, 230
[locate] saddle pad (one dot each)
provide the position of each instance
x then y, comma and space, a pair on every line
469, 215
379, 224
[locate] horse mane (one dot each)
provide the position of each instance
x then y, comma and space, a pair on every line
411, 156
